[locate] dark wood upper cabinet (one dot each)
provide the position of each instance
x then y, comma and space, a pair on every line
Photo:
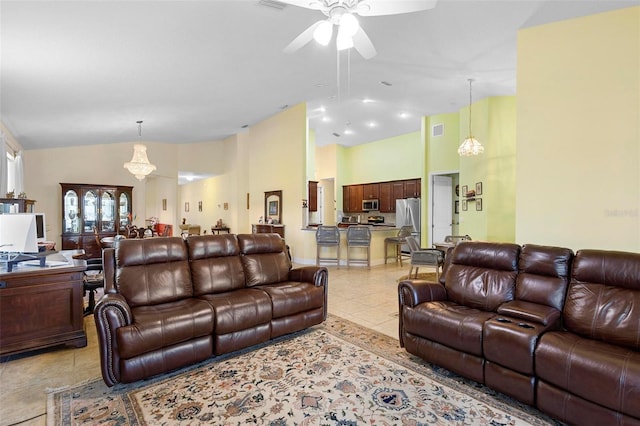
313, 196
371, 191
412, 188
386, 192
387, 202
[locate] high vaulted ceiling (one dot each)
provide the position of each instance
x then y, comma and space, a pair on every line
83, 72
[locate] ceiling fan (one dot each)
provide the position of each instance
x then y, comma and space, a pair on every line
342, 13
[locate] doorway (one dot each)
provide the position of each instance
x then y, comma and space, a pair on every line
443, 214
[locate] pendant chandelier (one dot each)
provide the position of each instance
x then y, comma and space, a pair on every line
470, 146
139, 165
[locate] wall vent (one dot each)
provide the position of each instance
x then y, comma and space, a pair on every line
437, 130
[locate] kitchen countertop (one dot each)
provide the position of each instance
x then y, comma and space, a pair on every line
374, 227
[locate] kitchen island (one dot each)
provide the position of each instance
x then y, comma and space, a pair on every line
378, 233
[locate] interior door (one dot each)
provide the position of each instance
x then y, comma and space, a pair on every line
442, 208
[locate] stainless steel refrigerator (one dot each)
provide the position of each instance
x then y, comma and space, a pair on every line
408, 213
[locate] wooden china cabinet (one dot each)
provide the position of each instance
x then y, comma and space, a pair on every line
93, 210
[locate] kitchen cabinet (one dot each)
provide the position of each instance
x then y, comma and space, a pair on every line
352, 198
387, 202
371, 191
412, 188
313, 196
91, 212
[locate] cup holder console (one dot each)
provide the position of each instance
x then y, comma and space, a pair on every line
523, 325
502, 320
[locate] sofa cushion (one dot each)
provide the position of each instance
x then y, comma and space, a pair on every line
160, 326
482, 275
291, 298
152, 271
456, 326
264, 259
543, 275
215, 263
603, 301
606, 374
239, 309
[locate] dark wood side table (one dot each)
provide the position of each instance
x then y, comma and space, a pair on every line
41, 307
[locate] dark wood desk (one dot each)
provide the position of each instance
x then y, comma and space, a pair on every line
41, 307
218, 229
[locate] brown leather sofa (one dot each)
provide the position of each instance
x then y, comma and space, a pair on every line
171, 302
552, 329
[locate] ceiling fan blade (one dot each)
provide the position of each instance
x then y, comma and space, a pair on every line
305, 37
307, 4
363, 45
386, 7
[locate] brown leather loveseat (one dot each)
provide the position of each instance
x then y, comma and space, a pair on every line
169, 303
552, 329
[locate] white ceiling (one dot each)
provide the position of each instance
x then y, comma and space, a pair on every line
83, 72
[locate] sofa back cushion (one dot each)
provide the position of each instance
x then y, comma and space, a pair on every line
264, 259
543, 275
215, 263
482, 275
603, 300
152, 270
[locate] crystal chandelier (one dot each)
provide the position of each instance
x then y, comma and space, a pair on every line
139, 165
470, 146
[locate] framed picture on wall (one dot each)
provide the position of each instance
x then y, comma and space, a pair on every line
457, 206
186, 206
464, 205
464, 190
479, 204
199, 206
479, 188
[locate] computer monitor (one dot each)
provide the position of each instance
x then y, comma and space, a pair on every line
18, 233
41, 228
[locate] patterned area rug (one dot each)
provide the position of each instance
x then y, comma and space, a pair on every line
338, 373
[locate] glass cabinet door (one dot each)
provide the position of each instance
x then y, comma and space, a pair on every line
90, 211
108, 212
125, 210
70, 220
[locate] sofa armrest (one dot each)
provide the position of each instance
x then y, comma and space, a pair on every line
534, 312
111, 312
413, 292
316, 275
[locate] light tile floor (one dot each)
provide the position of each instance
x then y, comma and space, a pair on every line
366, 296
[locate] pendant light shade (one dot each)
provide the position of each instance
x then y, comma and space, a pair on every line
470, 146
139, 165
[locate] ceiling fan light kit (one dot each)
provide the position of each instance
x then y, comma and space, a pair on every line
342, 13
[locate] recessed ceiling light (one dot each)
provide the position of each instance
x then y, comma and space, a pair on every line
367, 101
348, 132
326, 119
372, 124
322, 109
403, 114
386, 83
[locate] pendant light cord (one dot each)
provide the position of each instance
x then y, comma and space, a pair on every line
470, 102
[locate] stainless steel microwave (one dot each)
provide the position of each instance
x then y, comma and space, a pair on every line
368, 205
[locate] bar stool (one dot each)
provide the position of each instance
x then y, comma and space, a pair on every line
397, 242
359, 236
327, 236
